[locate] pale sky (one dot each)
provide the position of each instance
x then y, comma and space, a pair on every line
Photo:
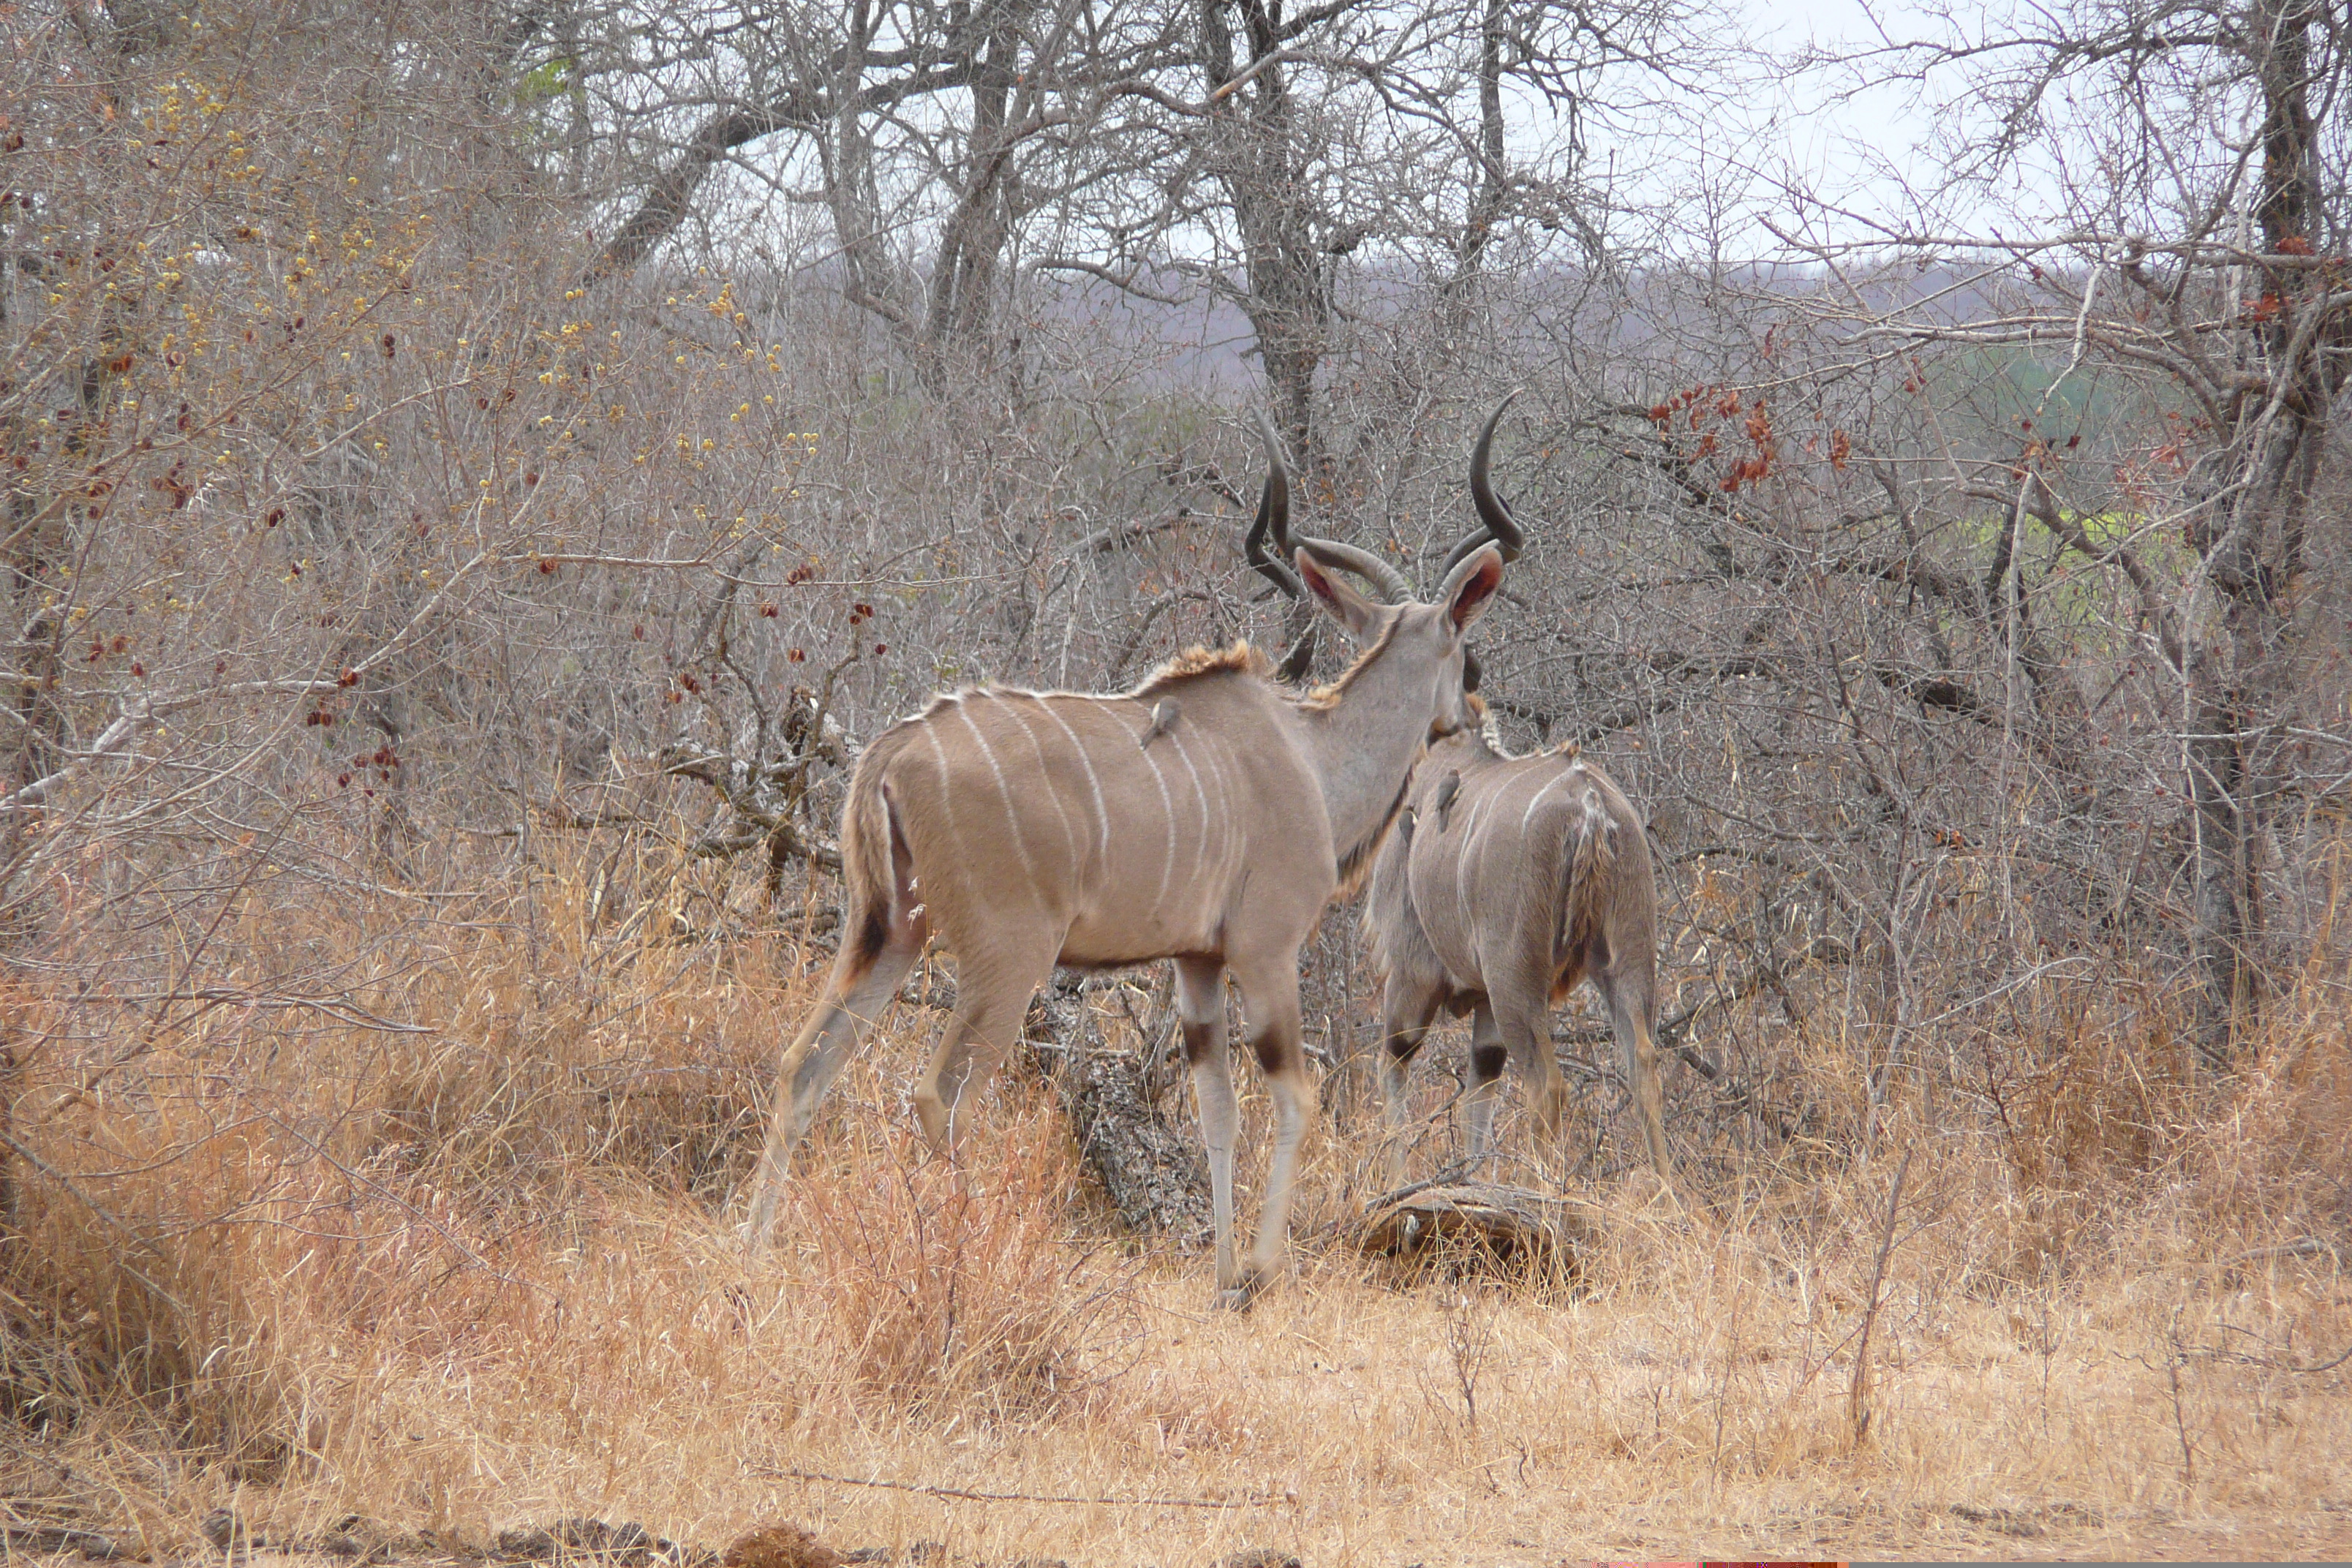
1860, 147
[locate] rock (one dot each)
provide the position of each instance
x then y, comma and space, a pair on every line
2024, 1525
359, 1539
780, 1546
47, 1538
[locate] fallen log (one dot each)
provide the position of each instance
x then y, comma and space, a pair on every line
1152, 1170
1470, 1226
1153, 1175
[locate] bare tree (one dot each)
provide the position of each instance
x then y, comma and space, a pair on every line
2195, 255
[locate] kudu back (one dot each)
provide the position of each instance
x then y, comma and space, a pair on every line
1510, 880
1206, 816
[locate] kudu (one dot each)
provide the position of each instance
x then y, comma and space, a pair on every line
1509, 880
1207, 816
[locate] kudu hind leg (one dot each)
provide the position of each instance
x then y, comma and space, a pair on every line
1407, 1011
1632, 1010
1523, 1029
992, 991
853, 999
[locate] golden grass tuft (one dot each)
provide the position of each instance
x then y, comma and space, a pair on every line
957, 1288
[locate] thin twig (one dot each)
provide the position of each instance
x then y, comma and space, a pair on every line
1858, 1393
2179, 1405
2303, 1246
2268, 1364
59, 1538
790, 1472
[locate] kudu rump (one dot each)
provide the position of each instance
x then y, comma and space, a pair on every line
1206, 816
1509, 880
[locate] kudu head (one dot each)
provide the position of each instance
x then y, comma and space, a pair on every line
1432, 634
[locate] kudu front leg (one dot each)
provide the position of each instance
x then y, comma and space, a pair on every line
1488, 1057
1270, 1003
1201, 1006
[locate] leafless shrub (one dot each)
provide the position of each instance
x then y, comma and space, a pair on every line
954, 1290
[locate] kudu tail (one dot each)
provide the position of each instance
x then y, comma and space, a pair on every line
870, 905
882, 931
1589, 857
1588, 870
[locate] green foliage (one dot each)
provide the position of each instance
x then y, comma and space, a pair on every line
550, 79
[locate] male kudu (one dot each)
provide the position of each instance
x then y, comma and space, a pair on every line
1207, 816
1509, 880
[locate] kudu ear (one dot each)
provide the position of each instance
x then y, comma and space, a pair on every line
1470, 587
1343, 604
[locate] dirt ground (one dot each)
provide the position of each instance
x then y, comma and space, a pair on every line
1918, 1534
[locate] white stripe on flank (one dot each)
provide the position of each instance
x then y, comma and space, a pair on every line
1469, 847
1167, 805
1102, 816
1069, 837
1200, 798
1529, 816
947, 793
1228, 828
1004, 790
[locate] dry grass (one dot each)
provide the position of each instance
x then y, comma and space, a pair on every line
474, 1275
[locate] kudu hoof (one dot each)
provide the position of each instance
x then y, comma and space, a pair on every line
1241, 1297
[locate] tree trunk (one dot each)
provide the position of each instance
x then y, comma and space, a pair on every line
2251, 541
965, 271
1493, 178
1254, 152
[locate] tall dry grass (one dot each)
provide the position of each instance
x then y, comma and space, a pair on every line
451, 1252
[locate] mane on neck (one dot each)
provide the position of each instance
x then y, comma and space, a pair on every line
1485, 732
1487, 735
1196, 662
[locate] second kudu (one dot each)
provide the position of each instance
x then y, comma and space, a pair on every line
1509, 880
1206, 816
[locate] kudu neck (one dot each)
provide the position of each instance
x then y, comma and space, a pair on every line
1364, 743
